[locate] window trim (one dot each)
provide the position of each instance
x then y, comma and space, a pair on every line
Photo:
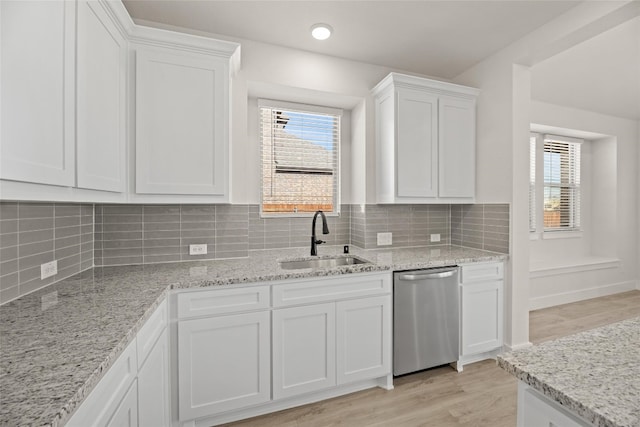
540, 232
309, 108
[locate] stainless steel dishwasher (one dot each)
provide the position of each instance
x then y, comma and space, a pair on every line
425, 319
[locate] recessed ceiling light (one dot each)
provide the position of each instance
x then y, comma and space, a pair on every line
321, 31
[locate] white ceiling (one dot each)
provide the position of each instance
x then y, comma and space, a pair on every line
602, 74
436, 38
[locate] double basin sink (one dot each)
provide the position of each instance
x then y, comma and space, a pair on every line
328, 262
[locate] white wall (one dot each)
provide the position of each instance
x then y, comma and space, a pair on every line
293, 75
614, 239
503, 134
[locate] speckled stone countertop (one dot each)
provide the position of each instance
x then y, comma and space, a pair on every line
56, 343
595, 374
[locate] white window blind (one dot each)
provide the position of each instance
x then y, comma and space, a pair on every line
300, 158
532, 183
561, 183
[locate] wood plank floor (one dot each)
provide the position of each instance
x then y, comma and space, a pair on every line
482, 395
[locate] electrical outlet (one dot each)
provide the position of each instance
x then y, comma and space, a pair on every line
197, 249
435, 237
385, 239
48, 269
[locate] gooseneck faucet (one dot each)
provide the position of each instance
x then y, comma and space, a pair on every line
325, 230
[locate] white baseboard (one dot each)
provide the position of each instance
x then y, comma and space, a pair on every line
581, 294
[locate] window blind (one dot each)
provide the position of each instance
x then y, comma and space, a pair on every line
561, 183
532, 183
300, 158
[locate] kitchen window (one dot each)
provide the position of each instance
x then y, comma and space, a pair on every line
300, 158
560, 173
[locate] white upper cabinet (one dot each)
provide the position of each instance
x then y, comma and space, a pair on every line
37, 86
181, 126
182, 102
95, 108
425, 141
101, 100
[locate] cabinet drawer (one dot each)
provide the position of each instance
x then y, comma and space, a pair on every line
105, 398
322, 290
221, 301
150, 332
481, 272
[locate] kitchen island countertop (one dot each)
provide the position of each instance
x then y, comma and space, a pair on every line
594, 374
56, 343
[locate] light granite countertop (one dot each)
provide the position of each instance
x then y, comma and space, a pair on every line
56, 343
594, 374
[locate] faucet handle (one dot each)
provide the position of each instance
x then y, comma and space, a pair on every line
319, 242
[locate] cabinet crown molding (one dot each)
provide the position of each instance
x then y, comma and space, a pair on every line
422, 83
151, 36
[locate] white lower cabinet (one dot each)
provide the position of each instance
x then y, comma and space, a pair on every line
482, 309
153, 386
363, 338
126, 414
288, 343
223, 363
535, 410
304, 358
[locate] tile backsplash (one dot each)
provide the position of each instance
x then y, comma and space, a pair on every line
410, 225
79, 236
146, 234
35, 233
481, 226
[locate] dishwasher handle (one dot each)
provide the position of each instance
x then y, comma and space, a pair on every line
427, 276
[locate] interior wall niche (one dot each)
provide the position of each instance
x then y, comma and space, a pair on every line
596, 242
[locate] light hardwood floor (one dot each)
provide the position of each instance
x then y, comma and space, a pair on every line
482, 395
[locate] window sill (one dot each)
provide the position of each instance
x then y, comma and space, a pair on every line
579, 265
550, 235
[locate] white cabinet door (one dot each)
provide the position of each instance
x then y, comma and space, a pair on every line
456, 147
37, 102
127, 413
181, 122
153, 386
363, 338
481, 316
535, 410
101, 73
304, 358
223, 363
417, 144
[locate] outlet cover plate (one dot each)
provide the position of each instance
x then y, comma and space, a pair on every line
198, 249
435, 237
385, 239
48, 269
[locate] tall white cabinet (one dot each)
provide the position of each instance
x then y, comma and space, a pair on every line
425, 141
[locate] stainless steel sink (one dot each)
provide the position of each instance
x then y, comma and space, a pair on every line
322, 262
